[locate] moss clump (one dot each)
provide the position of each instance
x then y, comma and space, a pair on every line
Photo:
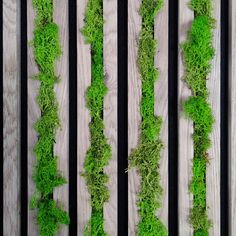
99, 153
198, 53
147, 155
47, 49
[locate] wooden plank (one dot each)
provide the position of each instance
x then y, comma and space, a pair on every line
213, 169
83, 81
110, 109
134, 97
11, 117
61, 147
232, 117
33, 115
161, 100
185, 130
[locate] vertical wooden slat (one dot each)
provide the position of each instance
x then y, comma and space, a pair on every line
83, 81
134, 96
213, 169
185, 130
232, 117
11, 117
110, 109
33, 115
61, 147
161, 101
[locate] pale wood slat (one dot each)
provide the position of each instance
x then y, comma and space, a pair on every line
185, 130
134, 96
110, 109
161, 102
83, 117
11, 117
61, 147
213, 169
232, 117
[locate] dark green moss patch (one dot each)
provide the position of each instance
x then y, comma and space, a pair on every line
198, 53
47, 49
99, 153
145, 158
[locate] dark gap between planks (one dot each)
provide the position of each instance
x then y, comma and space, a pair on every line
173, 118
73, 117
24, 119
122, 117
224, 115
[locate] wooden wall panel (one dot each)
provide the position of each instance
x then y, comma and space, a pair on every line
232, 117
185, 130
110, 109
11, 117
83, 81
61, 147
134, 96
161, 98
213, 169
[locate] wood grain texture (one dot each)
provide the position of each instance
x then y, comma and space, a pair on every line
161, 102
11, 117
61, 147
83, 81
213, 169
232, 117
185, 130
134, 97
110, 109
33, 115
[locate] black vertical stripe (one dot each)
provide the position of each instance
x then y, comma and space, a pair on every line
24, 120
73, 117
1, 117
122, 117
224, 190
173, 118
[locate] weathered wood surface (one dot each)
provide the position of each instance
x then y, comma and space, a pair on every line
161, 102
134, 96
33, 115
11, 117
83, 81
232, 119
185, 130
213, 169
110, 109
61, 147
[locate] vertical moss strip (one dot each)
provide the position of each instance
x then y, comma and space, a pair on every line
99, 153
145, 158
47, 49
198, 53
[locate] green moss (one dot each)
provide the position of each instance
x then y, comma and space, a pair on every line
99, 153
47, 49
198, 53
145, 158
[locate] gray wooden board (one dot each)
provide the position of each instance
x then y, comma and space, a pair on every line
11, 117
185, 130
134, 96
232, 119
83, 118
110, 109
213, 168
61, 147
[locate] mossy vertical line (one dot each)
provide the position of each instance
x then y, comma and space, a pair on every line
46, 49
145, 158
99, 153
198, 53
